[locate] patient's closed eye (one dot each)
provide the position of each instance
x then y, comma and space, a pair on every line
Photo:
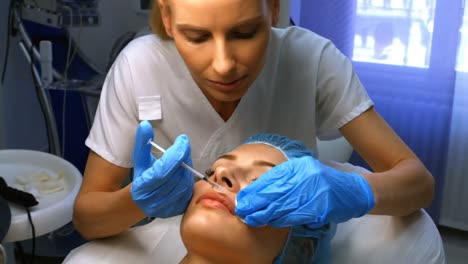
209, 172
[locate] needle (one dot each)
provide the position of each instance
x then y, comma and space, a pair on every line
203, 177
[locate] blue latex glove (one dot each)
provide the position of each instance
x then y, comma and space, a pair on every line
161, 187
304, 191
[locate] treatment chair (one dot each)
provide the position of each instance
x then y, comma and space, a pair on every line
370, 239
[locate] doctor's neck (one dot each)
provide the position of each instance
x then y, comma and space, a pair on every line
224, 109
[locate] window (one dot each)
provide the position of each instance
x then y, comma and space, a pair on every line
462, 60
396, 32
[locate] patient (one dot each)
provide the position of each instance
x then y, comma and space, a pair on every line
209, 230
212, 233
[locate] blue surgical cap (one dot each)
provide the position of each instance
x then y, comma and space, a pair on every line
289, 147
304, 244
307, 245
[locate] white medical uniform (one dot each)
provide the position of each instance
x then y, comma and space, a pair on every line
306, 89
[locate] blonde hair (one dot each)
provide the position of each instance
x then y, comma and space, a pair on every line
156, 23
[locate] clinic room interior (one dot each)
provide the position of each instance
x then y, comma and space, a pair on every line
410, 56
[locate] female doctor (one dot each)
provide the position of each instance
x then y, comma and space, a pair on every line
214, 72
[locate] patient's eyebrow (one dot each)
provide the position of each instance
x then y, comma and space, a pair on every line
263, 163
227, 156
255, 162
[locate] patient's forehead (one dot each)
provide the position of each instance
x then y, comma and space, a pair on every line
259, 151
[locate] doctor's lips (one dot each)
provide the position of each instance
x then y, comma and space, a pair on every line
226, 86
217, 200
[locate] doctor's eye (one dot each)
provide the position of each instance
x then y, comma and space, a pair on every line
197, 40
194, 35
247, 31
244, 35
209, 172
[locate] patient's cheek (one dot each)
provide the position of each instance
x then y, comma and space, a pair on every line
205, 223
193, 220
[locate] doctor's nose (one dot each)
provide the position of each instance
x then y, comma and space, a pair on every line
223, 177
224, 62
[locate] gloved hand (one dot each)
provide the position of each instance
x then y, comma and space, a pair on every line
161, 187
304, 191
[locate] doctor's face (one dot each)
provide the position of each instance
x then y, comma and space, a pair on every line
211, 229
223, 42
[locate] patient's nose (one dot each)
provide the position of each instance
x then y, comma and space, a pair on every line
223, 177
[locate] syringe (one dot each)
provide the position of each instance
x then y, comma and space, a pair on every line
203, 177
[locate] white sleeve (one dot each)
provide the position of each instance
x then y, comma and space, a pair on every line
113, 132
340, 95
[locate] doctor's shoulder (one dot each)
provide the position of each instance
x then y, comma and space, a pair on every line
302, 47
147, 50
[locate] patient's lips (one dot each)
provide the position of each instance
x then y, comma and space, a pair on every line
217, 200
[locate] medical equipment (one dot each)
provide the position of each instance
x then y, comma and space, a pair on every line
203, 177
16, 196
43, 79
5, 220
53, 211
86, 23
62, 13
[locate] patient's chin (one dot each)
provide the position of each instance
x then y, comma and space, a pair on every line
215, 234
203, 230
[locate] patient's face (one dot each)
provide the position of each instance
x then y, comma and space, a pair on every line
210, 227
